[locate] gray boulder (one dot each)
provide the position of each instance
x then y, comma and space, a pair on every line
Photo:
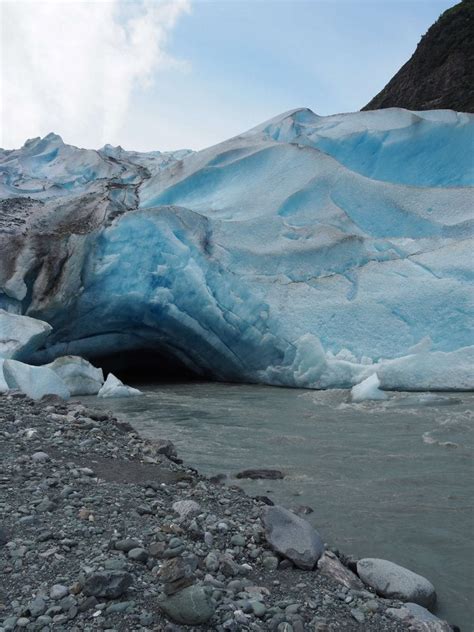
292, 536
420, 613
396, 582
186, 508
107, 584
419, 619
164, 446
422, 620
190, 606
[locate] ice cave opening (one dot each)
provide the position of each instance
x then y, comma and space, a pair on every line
143, 366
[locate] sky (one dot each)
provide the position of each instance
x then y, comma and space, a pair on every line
170, 74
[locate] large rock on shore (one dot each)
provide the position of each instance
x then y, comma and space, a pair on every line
20, 335
34, 381
419, 619
292, 537
396, 582
79, 375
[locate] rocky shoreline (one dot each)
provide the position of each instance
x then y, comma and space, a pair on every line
103, 530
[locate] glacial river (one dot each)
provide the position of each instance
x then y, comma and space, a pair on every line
387, 479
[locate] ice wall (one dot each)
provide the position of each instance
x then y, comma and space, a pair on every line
310, 251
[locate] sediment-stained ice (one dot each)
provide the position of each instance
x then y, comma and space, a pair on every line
310, 251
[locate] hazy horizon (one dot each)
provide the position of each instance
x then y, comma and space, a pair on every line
171, 74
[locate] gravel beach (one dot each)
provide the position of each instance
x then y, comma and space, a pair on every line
103, 530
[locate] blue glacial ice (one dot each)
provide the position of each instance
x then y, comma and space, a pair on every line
20, 336
34, 381
310, 251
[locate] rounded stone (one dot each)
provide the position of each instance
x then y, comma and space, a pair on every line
396, 582
237, 540
58, 591
138, 555
292, 537
190, 606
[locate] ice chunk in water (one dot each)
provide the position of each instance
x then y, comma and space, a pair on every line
113, 387
367, 390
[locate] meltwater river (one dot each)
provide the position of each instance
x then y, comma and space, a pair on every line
389, 479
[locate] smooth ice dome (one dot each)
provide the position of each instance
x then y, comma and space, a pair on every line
309, 251
368, 389
33, 381
20, 336
79, 375
113, 387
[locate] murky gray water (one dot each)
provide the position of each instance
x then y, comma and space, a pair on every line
385, 479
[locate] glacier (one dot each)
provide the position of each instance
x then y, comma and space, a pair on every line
309, 251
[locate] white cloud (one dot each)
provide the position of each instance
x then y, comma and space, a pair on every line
70, 66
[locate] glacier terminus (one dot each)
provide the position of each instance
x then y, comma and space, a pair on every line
309, 251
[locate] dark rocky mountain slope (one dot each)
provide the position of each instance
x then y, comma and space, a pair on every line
440, 73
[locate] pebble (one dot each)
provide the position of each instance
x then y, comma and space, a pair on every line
138, 555
58, 591
40, 457
358, 615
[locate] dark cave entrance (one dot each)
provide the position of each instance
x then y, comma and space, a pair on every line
147, 367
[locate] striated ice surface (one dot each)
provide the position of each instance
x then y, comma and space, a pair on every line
310, 251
